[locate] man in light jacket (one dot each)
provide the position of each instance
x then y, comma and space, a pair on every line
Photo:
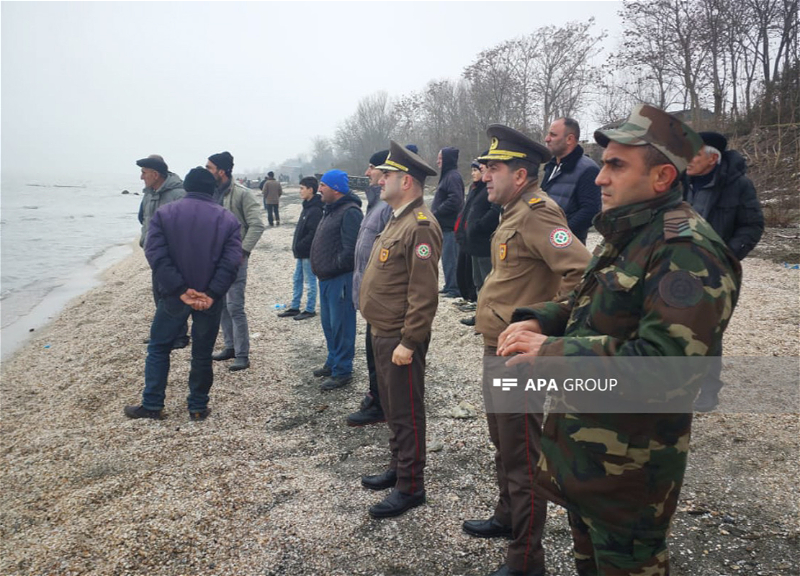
239, 200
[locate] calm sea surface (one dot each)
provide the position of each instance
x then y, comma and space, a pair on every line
56, 234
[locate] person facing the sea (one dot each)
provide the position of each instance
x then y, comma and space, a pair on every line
160, 187
195, 250
241, 202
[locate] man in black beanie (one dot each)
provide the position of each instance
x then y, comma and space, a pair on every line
243, 204
194, 248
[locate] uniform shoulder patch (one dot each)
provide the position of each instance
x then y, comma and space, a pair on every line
678, 224
680, 289
535, 203
560, 237
423, 250
422, 220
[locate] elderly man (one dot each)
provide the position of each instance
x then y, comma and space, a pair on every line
333, 261
662, 283
534, 259
160, 187
721, 193
240, 201
569, 176
399, 299
194, 250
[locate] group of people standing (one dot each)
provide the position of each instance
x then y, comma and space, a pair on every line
661, 282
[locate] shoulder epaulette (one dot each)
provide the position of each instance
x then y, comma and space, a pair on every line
535, 202
678, 224
422, 220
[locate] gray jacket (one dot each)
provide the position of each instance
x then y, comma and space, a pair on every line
171, 190
378, 214
242, 202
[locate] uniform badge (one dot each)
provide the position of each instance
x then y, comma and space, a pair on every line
384, 255
494, 145
534, 200
680, 289
503, 251
421, 216
560, 238
423, 251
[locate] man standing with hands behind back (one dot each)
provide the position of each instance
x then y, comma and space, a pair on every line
398, 298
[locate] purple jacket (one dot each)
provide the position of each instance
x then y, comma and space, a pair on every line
194, 243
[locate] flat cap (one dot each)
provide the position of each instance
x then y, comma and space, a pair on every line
650, 125
154, 162
509, 144
404, 160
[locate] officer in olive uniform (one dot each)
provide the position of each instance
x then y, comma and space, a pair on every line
662, 283
535, 258
398, 298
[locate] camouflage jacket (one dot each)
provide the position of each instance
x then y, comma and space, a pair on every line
662, 283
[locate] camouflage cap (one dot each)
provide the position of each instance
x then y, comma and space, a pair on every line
404, 160
662, 131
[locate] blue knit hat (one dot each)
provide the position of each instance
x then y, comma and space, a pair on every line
336, 180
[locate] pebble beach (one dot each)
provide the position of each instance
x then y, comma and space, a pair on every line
269, 484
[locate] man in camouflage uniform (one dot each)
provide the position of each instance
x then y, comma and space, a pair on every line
662, 283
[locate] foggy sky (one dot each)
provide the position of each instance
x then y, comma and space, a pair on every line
90, 87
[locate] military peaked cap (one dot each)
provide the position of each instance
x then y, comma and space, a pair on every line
509, 144
401, 159
662, 131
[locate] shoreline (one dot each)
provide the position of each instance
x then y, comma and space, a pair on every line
269, 484
55, 300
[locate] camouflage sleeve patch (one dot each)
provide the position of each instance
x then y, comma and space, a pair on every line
678, 224
680, 289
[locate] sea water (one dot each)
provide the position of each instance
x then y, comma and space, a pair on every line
56, 235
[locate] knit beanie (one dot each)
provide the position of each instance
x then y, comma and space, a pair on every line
223, 161
199, 180
336, 180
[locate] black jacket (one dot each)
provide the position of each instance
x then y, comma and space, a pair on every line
306, 227
574, 190
449, 198
477, 222
735, 210
334, 245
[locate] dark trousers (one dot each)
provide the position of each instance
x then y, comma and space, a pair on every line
170, 318
272, 209
185, 331
402, 391
517, 439
373, 375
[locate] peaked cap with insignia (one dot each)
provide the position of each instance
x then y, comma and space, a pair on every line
509, 144
402, 159
650, 125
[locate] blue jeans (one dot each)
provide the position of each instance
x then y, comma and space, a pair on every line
170, 318
302, 270
449, 262
338, 322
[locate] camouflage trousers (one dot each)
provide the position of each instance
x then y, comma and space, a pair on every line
601, 552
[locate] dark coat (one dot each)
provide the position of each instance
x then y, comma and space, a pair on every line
449, 198
334, 246
735, 210
194, 243
306, 227
574, 190
477, 222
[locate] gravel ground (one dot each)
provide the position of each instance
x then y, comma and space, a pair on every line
269, 484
